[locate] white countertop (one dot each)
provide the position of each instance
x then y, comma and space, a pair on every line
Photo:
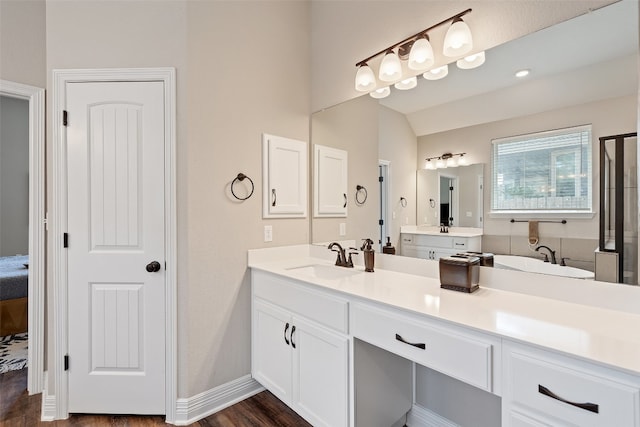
601, 335
435, 231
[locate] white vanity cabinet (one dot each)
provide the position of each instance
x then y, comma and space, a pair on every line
430, 246
543, 388
330, 182
300, 348
284, 177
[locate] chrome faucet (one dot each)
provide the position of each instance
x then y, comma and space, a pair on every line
552, 254
342, 260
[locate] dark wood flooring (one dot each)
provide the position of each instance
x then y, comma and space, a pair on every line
18, 409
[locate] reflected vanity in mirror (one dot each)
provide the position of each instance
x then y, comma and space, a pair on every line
468, 109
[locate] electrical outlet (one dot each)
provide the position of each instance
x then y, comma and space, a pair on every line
343, 229
469, 214
268, 233
393, 215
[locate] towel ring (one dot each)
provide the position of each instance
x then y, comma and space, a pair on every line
241, 177
403, 202
359, 189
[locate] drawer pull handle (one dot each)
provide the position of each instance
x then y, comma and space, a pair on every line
591, 407
459, 244
293, 331
419, 345
286, 328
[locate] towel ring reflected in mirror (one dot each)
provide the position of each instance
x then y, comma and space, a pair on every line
241, 177
403, 202
360, 200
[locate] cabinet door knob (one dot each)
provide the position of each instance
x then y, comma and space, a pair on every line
286, 328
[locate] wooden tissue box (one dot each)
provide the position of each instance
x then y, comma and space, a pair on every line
460, 273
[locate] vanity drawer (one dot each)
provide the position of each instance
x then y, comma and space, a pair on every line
433, 241
296, 297
561, 393
444, 349
460, 243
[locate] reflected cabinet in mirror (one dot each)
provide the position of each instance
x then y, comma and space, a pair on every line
594, 82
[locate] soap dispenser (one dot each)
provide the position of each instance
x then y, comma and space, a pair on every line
368, 255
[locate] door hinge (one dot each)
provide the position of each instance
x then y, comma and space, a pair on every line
65, 118
380, 179
66, 362
65, 240
380, 222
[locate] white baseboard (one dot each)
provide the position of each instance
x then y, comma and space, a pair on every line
49, 408
423, 417
192, 409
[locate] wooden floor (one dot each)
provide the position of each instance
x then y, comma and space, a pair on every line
18, 409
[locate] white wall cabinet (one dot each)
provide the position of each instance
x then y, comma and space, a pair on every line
330, 182
434, 247
300, 361
284, 177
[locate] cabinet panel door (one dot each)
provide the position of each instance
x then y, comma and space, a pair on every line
320, 384
271, 359
284, 177
330, 182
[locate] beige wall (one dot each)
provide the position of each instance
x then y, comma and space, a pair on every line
241, 71
351, 126
398, 144
22, 42
608, 117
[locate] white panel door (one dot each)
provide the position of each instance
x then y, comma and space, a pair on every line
321, 376
115, 148
285, 177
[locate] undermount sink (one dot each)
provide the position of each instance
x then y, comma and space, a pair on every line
323, 271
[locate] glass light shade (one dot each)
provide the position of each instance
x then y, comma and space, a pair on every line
365, 79
441, 164
522, 73
390, 68
407, 84
429, 165
452, 162
462, 161
437, 73
458, 40
383, 92
421, 55
471, 61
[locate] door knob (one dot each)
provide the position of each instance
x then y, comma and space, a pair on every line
153, 266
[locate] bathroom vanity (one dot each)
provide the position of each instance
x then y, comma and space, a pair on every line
325, 340
428, 242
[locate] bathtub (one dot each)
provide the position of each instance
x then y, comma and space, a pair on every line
533, 265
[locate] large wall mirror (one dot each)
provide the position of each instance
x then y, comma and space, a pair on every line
582, 71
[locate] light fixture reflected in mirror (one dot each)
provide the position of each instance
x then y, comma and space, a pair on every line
446, 160
471, 61
407, 84
380, 93
365, 79
437, 73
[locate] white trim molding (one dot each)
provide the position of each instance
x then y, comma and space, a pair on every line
35, 97
190, 410
419, 416
58, 225
48, 403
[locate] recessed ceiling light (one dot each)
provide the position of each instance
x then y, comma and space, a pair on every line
522, 73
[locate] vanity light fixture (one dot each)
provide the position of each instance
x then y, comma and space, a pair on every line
471, 61
418, 52
445, 160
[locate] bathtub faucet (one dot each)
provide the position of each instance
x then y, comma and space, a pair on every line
552, 254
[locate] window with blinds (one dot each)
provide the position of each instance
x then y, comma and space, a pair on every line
543, 172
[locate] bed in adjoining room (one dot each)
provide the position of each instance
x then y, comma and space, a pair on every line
14, 277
